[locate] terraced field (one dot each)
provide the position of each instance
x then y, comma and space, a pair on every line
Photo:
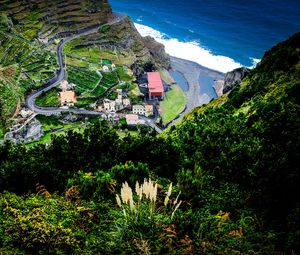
47, 19
28, 47
91, 85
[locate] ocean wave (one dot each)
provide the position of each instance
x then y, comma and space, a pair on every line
190, 50
139, 19
254, 61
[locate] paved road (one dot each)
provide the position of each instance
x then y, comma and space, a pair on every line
150, 123
61, 73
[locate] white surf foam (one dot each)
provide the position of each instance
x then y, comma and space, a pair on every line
190, 50
255, 61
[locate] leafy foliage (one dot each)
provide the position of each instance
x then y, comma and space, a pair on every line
235, 162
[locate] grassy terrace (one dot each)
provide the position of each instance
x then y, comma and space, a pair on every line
49, 99
173, 104
27, 64
9, 94
84, 79
78, 55
40, 67
53, 127
24, 65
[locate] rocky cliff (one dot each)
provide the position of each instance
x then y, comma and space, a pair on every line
234, 77
157, 51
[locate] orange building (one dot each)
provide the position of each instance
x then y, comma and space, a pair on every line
67, 98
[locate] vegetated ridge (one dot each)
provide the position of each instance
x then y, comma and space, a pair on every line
233, 165
29, 34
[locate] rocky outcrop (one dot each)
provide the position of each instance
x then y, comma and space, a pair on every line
234, 77
219, 87
157, 50
145, 52
30, 132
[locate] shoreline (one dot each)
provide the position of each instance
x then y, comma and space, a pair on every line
192, 73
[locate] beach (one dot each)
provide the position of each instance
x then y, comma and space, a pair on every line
198, 92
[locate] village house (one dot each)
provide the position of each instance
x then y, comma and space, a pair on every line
25, 113
138, 109
126, 103
149, 110
115, 105
119, 103
67, 98
155, 85
44, 40
105, 68
109, 105
146, 110
133, 120
65, 86
100, 108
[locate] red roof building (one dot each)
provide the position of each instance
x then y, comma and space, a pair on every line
155, 85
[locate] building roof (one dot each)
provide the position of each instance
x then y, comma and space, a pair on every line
67, 96
126, 101
132, 117
154, 82
137, 107
149, 108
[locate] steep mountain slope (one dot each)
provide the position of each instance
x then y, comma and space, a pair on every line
48, 18
25, 62
122, 43
233, 163
30, 31
250, 137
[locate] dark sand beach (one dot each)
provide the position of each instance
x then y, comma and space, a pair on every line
196, 81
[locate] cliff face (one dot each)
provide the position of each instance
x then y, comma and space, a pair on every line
157, 51
145, 52
234, 77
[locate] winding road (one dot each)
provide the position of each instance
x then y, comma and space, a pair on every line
61, 74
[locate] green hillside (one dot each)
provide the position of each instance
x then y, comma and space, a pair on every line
233, 165
30, 32
27, 46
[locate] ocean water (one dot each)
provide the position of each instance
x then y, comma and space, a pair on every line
180, 79
219, 34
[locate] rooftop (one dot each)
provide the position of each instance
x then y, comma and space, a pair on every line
154, 82
67, 96
138, 106
132, 117
149, 108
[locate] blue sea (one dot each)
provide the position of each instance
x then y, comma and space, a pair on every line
219, 34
